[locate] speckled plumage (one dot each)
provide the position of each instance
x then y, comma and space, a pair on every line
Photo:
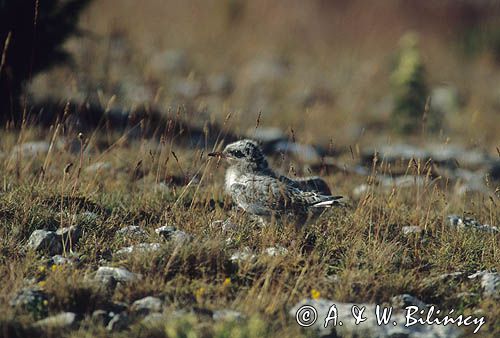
259, 191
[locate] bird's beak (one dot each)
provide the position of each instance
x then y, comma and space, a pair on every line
218, 154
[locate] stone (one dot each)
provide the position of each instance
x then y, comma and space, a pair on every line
244, 255
72, 233
45, 241
139, 248
170, 233
227, 315
306, 153
134, 231
361, 189
490, 283
187, 88
60, 321
31, 300
266, 135
147, 305
368, 328
98, 167
104, 273
220, 84
60, 260
101, 317
172, 61
275, 251
119, 322
29, 149
264, 70
224, 226
412, 229
153, 319
404, 300
462, 223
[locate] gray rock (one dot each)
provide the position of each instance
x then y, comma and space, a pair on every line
461, 223
101, 317
304, 152
139, 248
72, 233
368, 328
401, 181
266, 135
275, 251
153, 319
245, 255
133, 231
490, 283
227, 315
404, 300
98, 167
31, 300
412, 229
61, 260
119, 322
449, 153
361, 189
451, 276
186, 88
445, 99
174, 62
220, 84
45, 241
224, 226
264, 70
104, 273
170, 233
397, 152
166, 231
147, 305
31, 148
59, 321
87, 217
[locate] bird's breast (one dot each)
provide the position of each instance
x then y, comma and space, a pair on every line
231, 178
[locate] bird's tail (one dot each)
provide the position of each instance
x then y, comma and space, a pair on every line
329, 202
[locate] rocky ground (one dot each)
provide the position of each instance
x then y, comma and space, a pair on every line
137, 237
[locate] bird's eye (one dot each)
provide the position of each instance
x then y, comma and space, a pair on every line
238, 154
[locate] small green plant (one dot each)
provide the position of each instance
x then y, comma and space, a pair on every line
410, 90
32, 34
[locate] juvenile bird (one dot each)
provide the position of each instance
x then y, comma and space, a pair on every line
259, 191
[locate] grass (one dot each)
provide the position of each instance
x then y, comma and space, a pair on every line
341, 55
356, 254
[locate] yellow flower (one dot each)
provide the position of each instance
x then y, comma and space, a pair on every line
315, 294
41, 268
41, 283
53, 267
45, 302
227, 282
199, 294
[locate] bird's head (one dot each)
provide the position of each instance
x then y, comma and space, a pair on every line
245, 154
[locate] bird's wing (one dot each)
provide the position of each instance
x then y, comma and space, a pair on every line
262, 195
315, 184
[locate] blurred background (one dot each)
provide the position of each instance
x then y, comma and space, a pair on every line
323, 70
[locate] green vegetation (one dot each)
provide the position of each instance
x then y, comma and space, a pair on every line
410, 113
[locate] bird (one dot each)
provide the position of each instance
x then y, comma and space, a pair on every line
262, 193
